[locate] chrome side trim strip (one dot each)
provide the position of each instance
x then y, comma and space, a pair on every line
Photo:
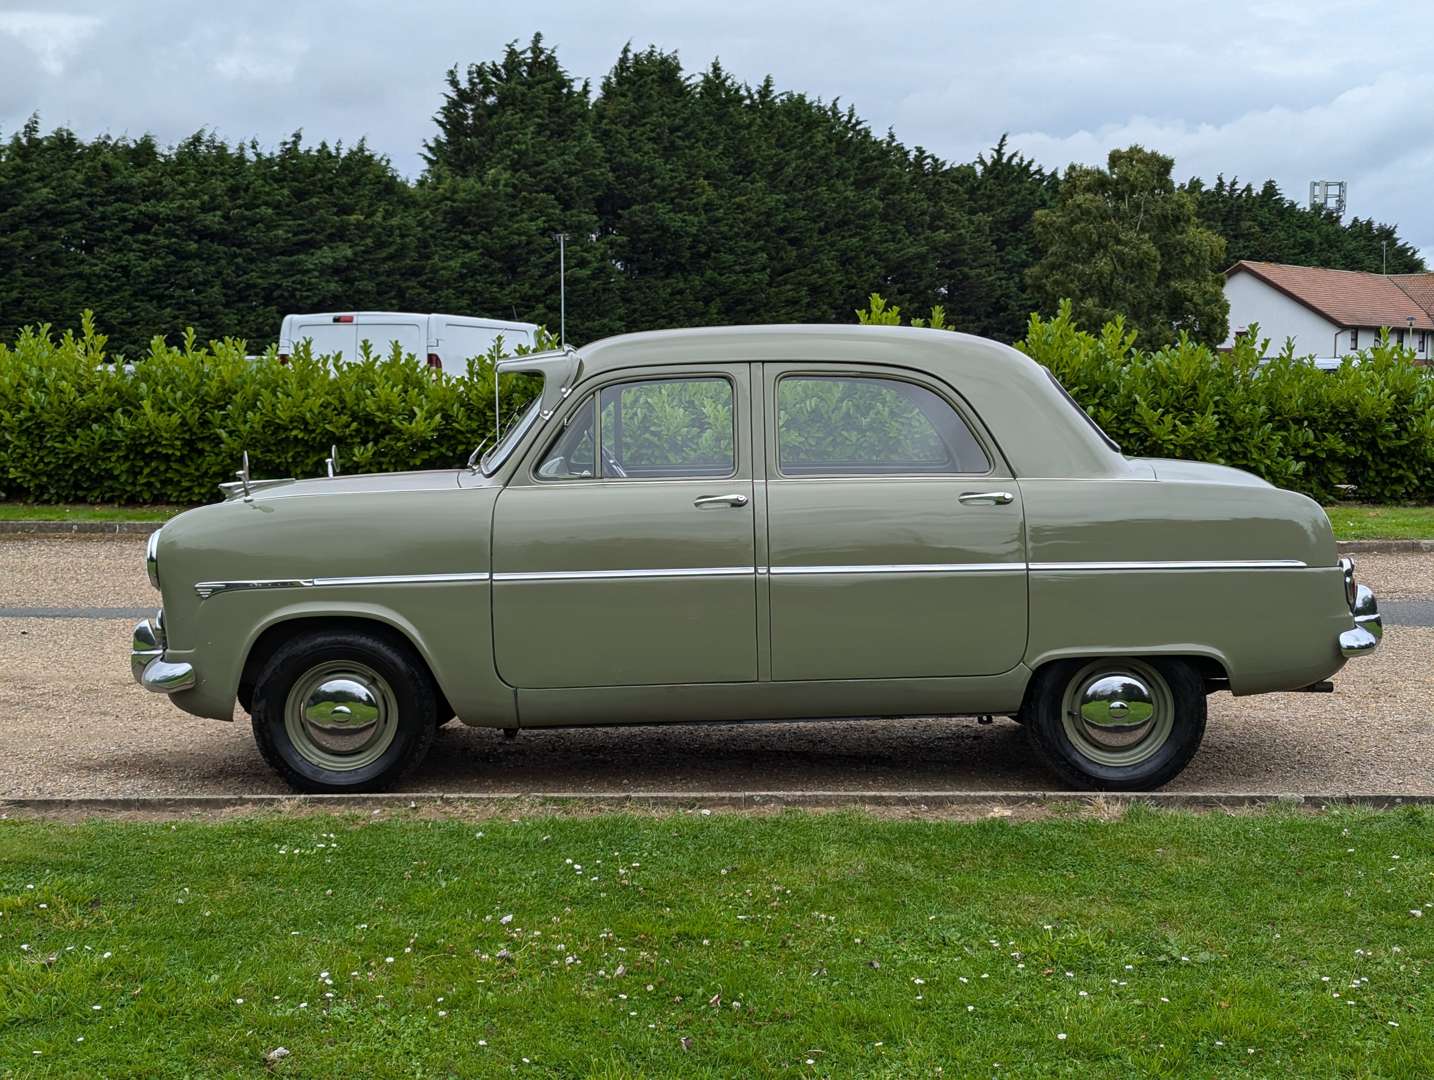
206, 589
402, 579
903, 568
1175, 564
604, 575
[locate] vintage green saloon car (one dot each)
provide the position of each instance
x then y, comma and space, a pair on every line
754, 523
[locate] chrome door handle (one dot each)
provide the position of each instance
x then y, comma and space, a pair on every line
995, 498
705, 501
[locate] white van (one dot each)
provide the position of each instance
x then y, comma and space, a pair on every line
444, 341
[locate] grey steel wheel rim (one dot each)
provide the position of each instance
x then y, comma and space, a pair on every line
1118, 713
341, 715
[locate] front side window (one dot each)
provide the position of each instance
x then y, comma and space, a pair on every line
652, 428
839, 425
668, 428
570, 457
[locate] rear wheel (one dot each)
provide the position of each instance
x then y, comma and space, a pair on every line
1116, 724
338, 711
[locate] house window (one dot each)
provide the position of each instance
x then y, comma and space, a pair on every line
1354, 341
1399, 337
1423, 341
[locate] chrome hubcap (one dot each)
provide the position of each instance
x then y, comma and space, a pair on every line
1118, 713
341, 715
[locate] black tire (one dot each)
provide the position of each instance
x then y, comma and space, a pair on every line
1074, 750
372, 671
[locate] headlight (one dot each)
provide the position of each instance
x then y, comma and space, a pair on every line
151, 558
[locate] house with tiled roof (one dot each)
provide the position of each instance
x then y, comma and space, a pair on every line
1330, 313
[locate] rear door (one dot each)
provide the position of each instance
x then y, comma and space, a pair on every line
458, 342
624, 546
382, 331
327, 335
895, 531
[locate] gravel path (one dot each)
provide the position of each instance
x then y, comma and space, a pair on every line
72, 722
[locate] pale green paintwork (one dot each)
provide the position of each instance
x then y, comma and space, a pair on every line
759, 644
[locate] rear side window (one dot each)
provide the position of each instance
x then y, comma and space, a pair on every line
845, 425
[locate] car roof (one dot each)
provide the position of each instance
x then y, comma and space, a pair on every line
1006, 388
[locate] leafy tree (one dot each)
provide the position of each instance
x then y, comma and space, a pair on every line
514, 163
1125, 241
1001, 191
687, 198
1263, 224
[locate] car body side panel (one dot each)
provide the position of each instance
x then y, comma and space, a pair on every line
1269, 629
601, 705
444, 622
1083, 519
1097, 586
398, 532
625, 580
967, 618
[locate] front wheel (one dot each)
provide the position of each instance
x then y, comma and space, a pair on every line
344, 711
1118, 724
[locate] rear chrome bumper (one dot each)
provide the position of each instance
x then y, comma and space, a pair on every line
1368, 626
147, 663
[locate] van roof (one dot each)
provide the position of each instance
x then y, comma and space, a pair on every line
408, 315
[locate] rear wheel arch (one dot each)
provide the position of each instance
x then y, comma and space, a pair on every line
1212, 666
1129, 751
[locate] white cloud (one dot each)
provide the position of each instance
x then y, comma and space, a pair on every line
53, 37
261, 60
1379, 136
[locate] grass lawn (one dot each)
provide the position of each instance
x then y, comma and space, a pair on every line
15, 511
1281, 944
1353, 522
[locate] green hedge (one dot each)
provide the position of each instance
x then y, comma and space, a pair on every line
74, 429
1364, 431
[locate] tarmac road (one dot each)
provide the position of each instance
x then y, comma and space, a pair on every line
73, 723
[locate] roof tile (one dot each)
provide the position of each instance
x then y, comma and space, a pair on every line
1352, 297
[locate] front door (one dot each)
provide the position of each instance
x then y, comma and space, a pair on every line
623, 547
895, 531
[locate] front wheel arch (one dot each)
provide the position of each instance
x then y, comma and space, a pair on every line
278, 634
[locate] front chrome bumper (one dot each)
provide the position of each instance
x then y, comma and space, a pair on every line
147, 663
1368, 626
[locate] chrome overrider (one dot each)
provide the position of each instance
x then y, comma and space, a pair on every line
1368, 626
146, 660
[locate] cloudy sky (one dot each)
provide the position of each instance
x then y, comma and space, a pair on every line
1290, 89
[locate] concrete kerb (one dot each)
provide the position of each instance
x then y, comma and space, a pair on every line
144, 528
678, 801
92, 528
